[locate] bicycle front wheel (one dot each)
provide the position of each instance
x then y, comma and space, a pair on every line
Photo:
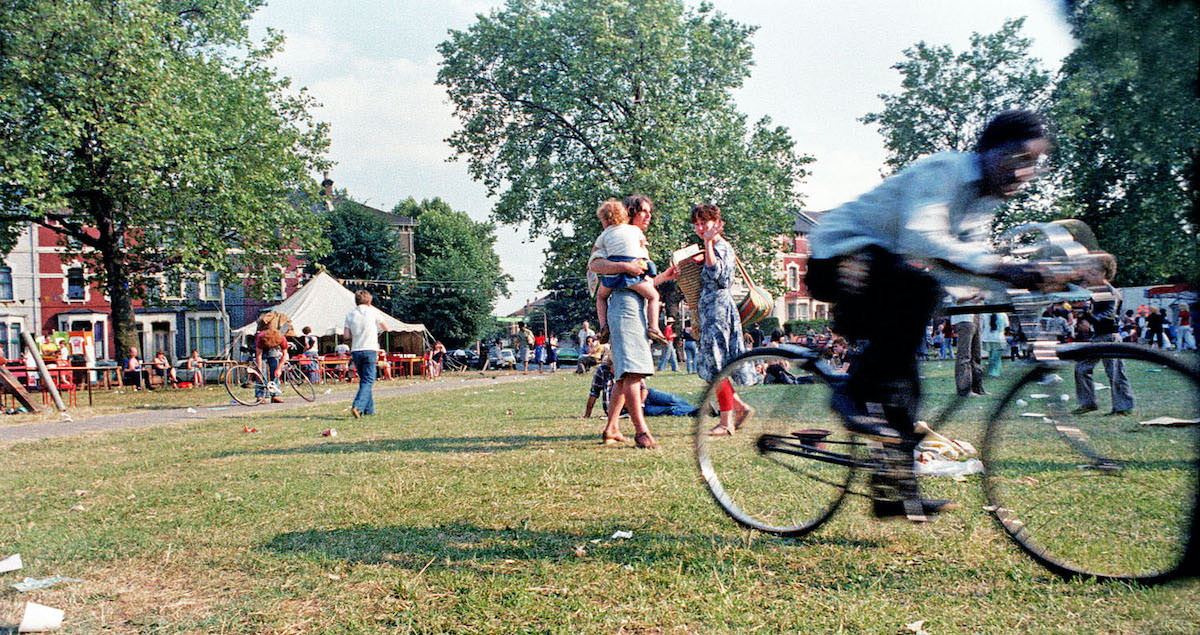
786, 468
300, 383
245, 384
1093, 495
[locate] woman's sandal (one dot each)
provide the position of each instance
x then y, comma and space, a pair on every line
721, 430
612, 439
645, 441
746, 413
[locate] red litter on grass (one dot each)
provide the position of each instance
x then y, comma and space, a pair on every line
246, 428
329, 433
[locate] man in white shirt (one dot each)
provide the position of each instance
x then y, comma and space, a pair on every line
362, 329
584, 333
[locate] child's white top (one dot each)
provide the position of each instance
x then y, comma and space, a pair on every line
620, 240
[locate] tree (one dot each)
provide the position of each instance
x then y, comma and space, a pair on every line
947, 98
1128, 113
154, 139
459, 273
565, 103
361, 243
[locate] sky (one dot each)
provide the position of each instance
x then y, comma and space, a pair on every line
819, 65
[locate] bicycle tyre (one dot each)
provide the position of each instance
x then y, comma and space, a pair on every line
764, 476
1093, 496
245, 384
300, 383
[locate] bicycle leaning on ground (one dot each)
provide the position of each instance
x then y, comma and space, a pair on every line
247, 385
1085, 495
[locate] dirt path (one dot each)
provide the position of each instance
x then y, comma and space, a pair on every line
146, 418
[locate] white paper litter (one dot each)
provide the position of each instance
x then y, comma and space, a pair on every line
622, 534
1034, 415
949, 468
1050, 379
1039, 395
1170, 421
11, 563
33, 584
1022, 403
1099, 386
192, 410
39, 618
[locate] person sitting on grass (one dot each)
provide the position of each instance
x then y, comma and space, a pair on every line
622, 241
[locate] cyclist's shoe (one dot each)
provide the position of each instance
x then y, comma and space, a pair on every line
273, 388
858, 421
927, 507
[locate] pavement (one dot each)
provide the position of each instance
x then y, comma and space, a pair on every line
169, 416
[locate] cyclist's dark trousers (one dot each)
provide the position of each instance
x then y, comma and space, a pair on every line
888, 313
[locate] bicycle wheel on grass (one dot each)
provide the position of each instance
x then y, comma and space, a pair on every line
245, 384
770, 475
300, 383
1090, 494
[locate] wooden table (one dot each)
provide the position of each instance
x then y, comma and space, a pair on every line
407, 365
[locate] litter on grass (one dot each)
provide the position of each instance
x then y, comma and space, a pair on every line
1170, 421
621, 534
39, 618
33, 584
11, 563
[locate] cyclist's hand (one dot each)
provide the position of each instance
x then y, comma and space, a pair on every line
852, 273
1022, 275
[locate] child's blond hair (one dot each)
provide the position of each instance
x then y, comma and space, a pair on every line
612, 212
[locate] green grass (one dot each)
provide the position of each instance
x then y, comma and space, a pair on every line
491, 510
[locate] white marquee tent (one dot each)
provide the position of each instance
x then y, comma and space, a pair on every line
323, 303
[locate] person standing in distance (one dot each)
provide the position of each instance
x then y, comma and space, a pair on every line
362, 329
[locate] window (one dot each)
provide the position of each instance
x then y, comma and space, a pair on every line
793, 278
204, 334
212, 286
14, 341
6, 289
98, 338
76, 287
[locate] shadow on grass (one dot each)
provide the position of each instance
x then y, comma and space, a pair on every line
417, 547
429, 444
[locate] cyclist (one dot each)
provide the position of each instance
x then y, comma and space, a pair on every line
270, 344
939, 208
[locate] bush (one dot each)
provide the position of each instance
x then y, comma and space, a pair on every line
801, 326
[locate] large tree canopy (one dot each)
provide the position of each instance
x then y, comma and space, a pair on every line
458, 271
946, 98
153, 137
1128, 112
564, 103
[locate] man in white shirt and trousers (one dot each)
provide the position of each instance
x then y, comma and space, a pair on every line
362, 329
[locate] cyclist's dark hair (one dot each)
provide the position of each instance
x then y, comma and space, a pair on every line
1011, 126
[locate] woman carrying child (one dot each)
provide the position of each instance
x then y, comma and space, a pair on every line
622, 241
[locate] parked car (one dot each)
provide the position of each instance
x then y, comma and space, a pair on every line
506, 359
567, 355
467, 357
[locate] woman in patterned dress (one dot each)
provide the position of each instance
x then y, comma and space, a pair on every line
720, 327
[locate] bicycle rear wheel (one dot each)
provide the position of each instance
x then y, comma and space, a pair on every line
1089, 495
300, 383
245, 384
786, 469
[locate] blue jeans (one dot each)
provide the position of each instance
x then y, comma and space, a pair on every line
364, 365
664, 404
690, 351
669, 354
268, 375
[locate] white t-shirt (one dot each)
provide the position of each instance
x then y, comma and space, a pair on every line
583, 335
620, 240
989, 334
624, 239
363, 323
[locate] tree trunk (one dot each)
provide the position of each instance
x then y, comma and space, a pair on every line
117, 285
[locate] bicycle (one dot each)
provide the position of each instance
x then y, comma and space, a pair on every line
247, 386
1084, 495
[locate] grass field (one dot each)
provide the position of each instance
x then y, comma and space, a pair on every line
492, 510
